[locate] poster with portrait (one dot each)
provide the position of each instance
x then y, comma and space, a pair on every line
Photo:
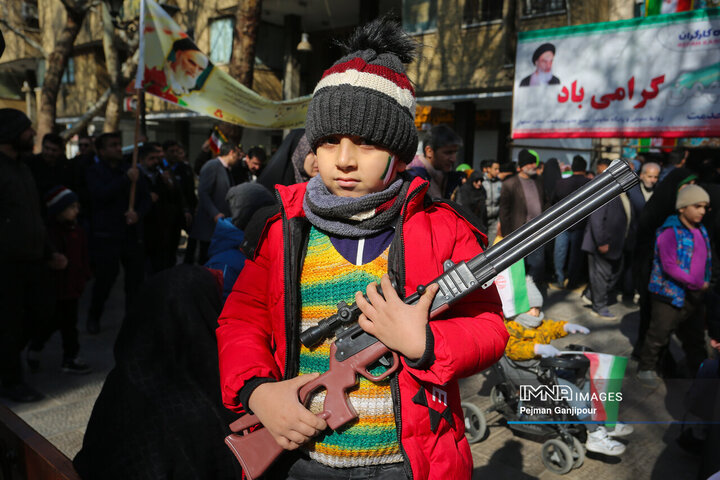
173, 68
657, 76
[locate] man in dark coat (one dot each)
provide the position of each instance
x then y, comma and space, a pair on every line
24, 279
117, 234
215, 181
50, 167
568, 243
522, 198
604, 241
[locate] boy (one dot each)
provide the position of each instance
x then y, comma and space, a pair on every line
355, 222
69, 239
679, 279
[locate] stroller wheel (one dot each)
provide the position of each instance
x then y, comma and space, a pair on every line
578, 453
475, 424
557, 456
496, 396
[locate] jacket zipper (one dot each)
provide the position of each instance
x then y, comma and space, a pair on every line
286, 288
394, 384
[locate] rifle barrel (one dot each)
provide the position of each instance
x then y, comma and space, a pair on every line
616, 179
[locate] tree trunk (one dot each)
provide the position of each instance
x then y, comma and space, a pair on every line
242, 62
511, 29
113, 110
56, 62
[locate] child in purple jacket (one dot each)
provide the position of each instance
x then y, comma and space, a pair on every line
679, 279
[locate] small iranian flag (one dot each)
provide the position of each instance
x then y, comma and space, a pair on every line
606, 376
512, 288
216, 140
654, 7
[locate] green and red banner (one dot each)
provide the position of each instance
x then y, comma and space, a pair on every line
656, 76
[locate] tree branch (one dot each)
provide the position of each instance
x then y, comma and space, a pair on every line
27, 39
128, 69
87, 116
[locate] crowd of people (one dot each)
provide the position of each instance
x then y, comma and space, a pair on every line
69, 220
83, 205
328, 214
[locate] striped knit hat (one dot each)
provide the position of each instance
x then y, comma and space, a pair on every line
58, 199
367, 92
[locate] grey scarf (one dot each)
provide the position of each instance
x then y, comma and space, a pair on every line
354, 217
529, 321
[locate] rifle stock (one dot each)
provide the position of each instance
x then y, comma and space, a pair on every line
256, 450
354, 350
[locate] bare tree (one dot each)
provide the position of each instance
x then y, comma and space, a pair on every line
242, 62
75, 11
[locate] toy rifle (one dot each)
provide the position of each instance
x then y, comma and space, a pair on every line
354, 350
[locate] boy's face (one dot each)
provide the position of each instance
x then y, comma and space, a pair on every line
350, 166
694, 213
70, 213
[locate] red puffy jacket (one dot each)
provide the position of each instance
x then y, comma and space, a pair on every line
258, 328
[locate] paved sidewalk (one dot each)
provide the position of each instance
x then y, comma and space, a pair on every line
651, 452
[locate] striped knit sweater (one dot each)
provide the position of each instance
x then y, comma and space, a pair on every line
328, 278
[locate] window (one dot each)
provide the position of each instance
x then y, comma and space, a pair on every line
68, 77
30, 14
221, 40
419, 15
267, 53
478, 11
540, 7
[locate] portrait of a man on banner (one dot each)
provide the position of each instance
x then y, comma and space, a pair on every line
185, 70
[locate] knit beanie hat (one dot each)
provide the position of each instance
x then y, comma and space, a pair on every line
12, 123
690, 195
58, 199
245, 199
367, 92
526, 157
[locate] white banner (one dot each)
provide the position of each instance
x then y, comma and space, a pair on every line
649, 77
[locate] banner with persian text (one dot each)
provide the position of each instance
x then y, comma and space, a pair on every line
648, 77
173, 68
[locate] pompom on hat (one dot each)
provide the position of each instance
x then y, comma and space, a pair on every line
690, 195
367, 92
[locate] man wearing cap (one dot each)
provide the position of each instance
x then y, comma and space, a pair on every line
23, 254
522, 198
542, 59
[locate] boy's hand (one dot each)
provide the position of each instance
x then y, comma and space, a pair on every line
399, 326
277, 406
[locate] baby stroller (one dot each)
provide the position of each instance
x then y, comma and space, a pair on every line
563, 448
